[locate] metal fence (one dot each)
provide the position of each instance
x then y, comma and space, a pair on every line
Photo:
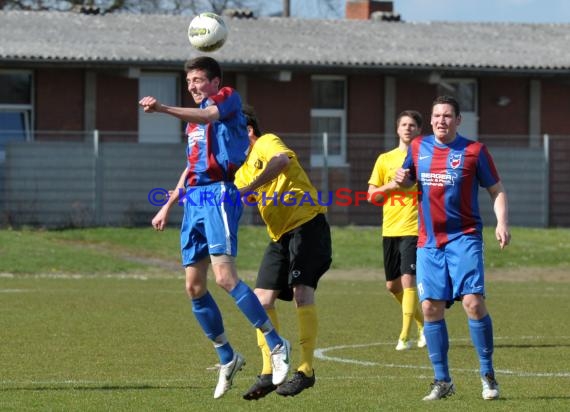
84, 180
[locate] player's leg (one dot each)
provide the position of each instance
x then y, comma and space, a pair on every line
434, 291
221, 228
195, 260
392, 272
271, 282
467, 258
310, 256
411, 307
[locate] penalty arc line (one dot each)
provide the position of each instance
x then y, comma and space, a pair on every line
321, 353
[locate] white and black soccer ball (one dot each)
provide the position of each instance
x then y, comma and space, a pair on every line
207, 32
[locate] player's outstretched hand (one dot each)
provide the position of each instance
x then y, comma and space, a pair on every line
503, 235
150, 104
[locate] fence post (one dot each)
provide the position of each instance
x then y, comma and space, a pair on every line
97, 180
325, 170
546, 185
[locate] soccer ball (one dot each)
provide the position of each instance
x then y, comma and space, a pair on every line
207, 32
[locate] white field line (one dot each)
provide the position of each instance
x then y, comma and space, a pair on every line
321, 353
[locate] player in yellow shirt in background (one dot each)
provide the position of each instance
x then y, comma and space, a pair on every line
299, 252
399, 227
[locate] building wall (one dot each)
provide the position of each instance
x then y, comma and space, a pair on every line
511, 119
417, 95
283, 107
59, 100
555, 106
116, 106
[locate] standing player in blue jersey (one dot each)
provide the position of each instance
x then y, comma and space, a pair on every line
449, 170
217, 146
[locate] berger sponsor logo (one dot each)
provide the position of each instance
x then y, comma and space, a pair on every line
443, 178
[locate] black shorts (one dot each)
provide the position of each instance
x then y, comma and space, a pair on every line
300, 256
399, 256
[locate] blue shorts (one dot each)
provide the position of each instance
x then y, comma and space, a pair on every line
451, 271
210, 222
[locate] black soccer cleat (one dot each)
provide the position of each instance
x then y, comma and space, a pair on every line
297, 384
262, 387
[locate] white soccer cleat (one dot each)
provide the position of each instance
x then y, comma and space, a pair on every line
281, 362
404, 344
227, 374
490, 388
440, 390
422, 340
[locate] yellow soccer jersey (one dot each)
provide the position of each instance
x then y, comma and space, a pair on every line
287, 201
400, 210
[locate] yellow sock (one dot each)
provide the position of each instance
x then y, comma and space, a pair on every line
419, 316
409, 306
398, 296
262, 343
308, 323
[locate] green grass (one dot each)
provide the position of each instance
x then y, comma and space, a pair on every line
131, 344
97, 320
142, 250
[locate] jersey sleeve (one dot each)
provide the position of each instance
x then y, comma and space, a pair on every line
486, 171
228, 102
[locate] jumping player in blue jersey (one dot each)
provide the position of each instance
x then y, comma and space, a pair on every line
449, 170
217, 146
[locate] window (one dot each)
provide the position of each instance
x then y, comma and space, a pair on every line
328, 115
15, 107
465, 92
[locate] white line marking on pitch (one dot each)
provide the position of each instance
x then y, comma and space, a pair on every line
321, 353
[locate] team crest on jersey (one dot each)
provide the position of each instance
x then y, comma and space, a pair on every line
455, 160
258, 164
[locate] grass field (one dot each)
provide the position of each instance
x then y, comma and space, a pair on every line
96, 319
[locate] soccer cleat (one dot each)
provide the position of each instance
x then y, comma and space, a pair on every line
297, 384
490, 387
227, 374
440, 390
280, 362
404, 344
422, 339
262, 386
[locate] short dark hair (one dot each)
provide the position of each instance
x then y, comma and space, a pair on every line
447, 100
412, 114
210, 66
251, 118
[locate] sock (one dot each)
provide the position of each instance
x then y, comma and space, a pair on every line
482, 337
409, 305
250, 306
398, 296
438, 345
308, 325
209, 317
418, 315
266, 368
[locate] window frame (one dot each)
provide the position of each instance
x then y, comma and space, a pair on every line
26, 109
317, 160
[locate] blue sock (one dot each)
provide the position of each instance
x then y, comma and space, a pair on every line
438, 345
209, 317
250, 306
482, 337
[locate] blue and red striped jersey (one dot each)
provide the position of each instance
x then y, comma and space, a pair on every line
448, 179
216, 150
